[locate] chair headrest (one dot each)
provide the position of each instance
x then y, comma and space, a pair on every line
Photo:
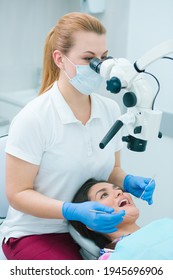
85, 243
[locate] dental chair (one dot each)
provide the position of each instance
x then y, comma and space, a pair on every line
89, 250
3, 199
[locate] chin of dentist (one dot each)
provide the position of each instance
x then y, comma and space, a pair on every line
86, 81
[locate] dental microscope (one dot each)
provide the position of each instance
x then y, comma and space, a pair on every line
141, 119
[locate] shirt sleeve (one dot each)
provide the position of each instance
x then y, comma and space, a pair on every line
26, 137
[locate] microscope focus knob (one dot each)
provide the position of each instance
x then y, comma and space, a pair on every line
129, 99
114, 85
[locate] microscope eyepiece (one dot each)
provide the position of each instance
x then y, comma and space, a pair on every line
95, 64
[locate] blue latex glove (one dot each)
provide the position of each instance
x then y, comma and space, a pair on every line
105, 223
136, 186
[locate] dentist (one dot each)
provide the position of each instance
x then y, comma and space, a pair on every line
53, 148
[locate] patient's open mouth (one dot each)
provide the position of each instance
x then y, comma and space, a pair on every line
123, 202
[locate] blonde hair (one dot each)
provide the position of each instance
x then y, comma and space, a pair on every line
61, 38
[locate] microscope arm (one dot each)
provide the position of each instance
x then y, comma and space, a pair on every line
154, 54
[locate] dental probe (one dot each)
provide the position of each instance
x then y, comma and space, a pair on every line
103, 212
98, 211
148, 185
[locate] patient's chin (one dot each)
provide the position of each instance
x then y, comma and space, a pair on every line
132, 215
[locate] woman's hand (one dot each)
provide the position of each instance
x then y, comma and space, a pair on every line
100, 222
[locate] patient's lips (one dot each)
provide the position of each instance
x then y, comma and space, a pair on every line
123, 202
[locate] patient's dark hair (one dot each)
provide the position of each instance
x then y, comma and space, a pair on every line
82, 196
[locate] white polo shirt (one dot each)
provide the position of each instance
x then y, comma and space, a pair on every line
46, 133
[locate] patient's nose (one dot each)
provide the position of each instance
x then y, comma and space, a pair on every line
118, 193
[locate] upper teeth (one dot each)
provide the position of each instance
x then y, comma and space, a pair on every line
124, 200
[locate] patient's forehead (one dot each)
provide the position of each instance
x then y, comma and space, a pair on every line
105, 186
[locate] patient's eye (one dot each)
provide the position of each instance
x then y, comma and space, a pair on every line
104, 195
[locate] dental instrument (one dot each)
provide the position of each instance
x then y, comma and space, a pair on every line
98, 211
147, 186
102, 212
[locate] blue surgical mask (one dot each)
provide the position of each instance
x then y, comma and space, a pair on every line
86, 80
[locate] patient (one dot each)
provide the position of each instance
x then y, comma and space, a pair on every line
129, 241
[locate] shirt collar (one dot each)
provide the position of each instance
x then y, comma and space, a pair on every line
95, 108
65, 113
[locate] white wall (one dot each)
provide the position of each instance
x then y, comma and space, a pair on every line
150, 23
23, 28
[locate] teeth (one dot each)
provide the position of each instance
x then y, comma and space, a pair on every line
123, 200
